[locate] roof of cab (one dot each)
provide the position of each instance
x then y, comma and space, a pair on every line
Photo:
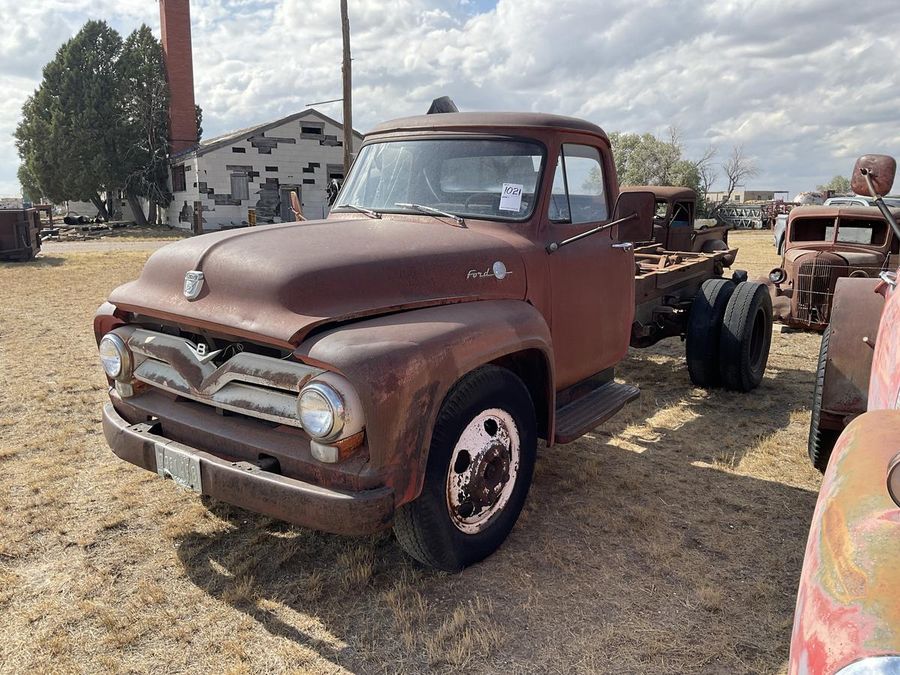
835, 211
487, 120
667, 192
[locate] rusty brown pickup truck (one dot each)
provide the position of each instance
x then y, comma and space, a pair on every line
674, 221
471, 292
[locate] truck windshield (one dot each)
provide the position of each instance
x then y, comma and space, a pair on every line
493, 179
866, 231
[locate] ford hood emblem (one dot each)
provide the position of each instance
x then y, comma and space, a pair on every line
193, 284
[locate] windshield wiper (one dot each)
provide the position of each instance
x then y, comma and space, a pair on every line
360, 209
431, 211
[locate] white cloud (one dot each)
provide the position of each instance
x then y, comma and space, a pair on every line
805, 86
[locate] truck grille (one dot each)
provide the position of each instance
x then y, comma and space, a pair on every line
252, 384
815, 288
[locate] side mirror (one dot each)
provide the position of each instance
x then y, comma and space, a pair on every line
873, 175
641, 204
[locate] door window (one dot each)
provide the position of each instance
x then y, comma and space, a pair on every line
578, 194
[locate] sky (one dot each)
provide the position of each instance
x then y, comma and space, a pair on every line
804, 86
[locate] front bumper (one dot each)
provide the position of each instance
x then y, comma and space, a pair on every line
249, 486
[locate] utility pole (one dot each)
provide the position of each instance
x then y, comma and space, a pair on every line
348, 103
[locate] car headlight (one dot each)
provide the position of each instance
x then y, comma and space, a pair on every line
777, 275
115, 357
321, 410
873, 665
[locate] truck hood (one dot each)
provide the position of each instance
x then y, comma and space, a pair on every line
855, 258
278, 282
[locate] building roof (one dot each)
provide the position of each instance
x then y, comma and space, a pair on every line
487, 120
210, 144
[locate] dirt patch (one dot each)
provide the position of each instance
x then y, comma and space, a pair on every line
669, 540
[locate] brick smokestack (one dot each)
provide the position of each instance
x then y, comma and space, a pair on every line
175, 23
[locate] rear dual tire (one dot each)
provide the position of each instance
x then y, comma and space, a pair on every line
728, 336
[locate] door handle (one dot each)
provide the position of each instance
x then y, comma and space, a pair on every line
625, 246
890, 278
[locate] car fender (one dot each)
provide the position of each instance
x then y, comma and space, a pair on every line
855, 315
847, 605
403, 365
781, 299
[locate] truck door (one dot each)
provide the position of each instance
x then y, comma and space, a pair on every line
592, 281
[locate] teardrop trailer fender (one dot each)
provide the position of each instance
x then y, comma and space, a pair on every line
403, 365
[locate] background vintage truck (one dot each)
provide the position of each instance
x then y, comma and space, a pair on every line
472, 290
848, 615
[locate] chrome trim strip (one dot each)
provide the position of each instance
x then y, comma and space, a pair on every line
251, 384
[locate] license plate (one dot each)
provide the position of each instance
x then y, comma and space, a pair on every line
181, 466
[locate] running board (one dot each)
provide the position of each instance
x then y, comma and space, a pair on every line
591, 410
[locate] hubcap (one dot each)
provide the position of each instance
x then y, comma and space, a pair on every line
483, 470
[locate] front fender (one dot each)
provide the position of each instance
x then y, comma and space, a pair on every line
847, 606
403, 365
855, 314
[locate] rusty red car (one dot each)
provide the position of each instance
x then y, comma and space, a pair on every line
847, 618
471, 291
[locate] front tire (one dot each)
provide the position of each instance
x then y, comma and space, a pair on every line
480, 465
821, 441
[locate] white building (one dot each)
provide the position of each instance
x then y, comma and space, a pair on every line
256, 169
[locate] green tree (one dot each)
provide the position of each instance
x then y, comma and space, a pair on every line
839, 185
98, 122
31, 190
144, 101
644, 159
70, 133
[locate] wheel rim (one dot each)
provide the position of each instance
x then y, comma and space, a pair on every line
483, 470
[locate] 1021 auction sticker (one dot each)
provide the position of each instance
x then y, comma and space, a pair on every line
511, 197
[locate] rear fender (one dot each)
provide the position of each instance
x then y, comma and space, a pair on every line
403, 365
855, 314
847, 605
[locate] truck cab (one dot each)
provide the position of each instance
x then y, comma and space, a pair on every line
674, 221
822, 245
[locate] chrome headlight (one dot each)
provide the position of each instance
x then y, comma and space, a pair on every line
873, 665
115, 357
777, 275
321, 410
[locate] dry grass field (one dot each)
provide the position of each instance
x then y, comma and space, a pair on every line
669, 540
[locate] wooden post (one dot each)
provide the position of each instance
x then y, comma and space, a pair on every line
348, 103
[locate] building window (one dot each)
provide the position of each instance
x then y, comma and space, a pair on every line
239, 150
335, 171
271, 168
309, 181
308, 169
312, 130
178, 182
240, 186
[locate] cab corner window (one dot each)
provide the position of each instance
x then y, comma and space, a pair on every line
578, 194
